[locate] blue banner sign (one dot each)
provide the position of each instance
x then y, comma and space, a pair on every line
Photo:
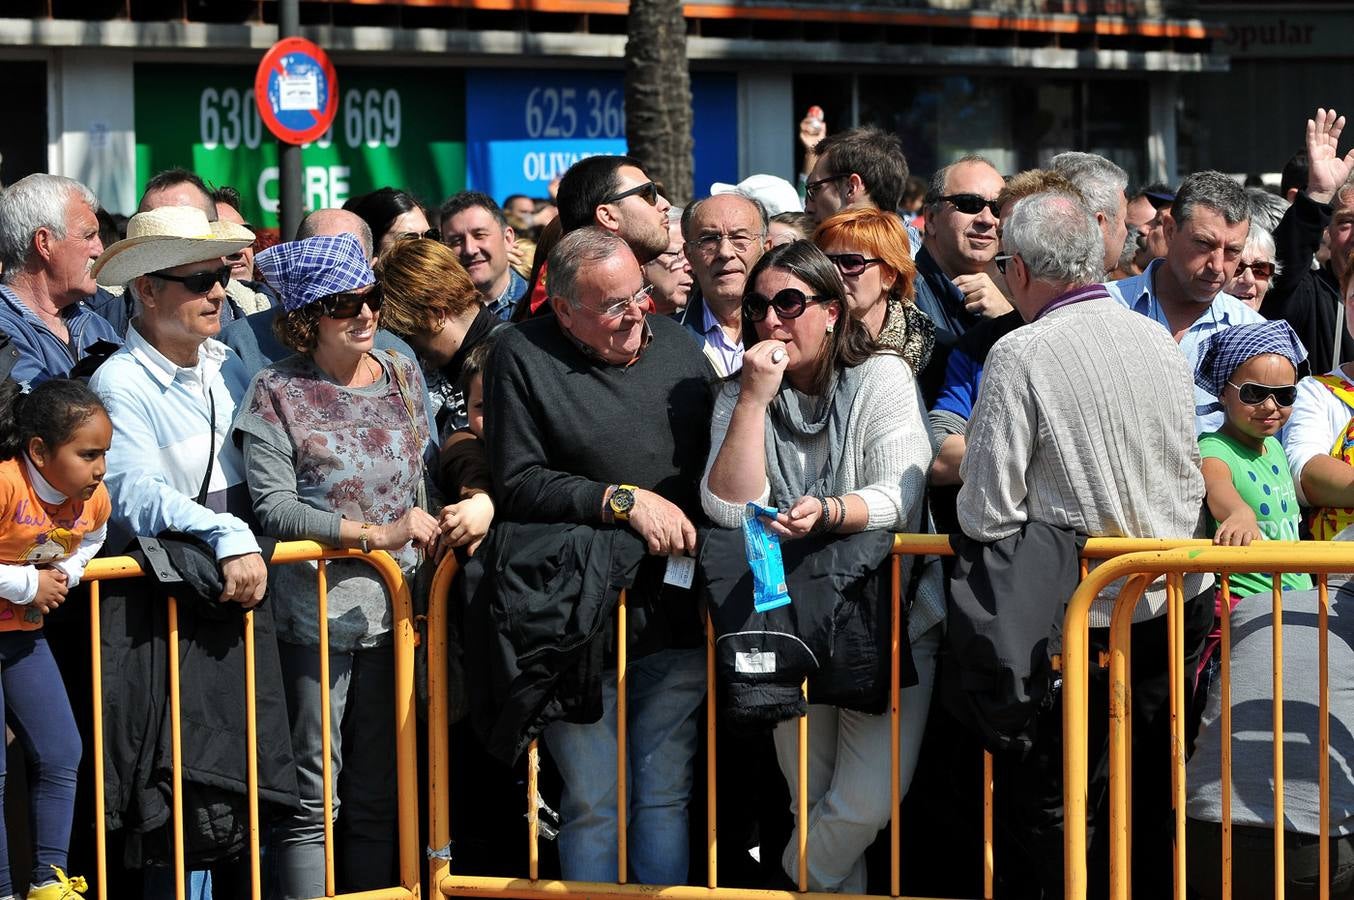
523, 129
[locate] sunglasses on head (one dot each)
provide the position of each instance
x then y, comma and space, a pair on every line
1253, 394
648, 192
972, 204
852, 264
199, 282
789, 304
349, 305
1261, 269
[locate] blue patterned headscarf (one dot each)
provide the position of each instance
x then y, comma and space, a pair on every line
1222, 351
304, 271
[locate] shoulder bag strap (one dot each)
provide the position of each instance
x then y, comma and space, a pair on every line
211, 453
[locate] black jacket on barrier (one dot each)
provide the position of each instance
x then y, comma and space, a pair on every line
537, 631
835, 631
137, 748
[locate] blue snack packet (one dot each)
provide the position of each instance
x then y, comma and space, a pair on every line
763, 550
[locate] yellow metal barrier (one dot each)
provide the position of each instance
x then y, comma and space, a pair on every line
1140, 569
444, 882
406, 750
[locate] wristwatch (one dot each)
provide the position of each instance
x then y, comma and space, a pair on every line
364, 537
621, 501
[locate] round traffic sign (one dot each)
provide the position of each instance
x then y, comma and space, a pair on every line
296, 90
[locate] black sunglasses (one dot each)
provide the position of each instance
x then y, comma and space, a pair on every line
852, 263
648, 192
349, 306
198, 282
789, 304
1001, 259
972, 204
1253, 394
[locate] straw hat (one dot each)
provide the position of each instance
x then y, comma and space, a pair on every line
163, 238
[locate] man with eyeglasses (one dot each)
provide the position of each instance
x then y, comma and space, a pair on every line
599, 417
859, 167
1205, 233
614, 194
1310, 299
49, 236
478, 232
954, 266
1085, 422
725, 236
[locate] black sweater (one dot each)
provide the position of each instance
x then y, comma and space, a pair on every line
561, 427
1308, 298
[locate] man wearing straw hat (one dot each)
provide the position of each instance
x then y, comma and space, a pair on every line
171, 392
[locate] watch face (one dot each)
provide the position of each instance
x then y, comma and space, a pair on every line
622, 500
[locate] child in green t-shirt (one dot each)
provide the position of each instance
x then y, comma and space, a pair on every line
1253, 371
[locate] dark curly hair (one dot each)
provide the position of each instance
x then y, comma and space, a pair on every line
299, 329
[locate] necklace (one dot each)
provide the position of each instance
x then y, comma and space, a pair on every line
376, 374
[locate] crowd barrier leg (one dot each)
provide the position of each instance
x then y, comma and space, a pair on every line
1277, 633
802, 804
326, 722
895, 721
252, 756
439, 729
711, 801
1225, 721
534, 811
1175, 599
96, 684
1323, 733
176, 747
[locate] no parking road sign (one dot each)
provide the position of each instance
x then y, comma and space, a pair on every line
296, 90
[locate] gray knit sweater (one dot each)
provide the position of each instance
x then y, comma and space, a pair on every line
888, 453
1085, 418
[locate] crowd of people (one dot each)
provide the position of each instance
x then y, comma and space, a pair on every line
603, 393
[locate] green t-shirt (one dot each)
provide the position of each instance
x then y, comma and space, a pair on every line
1266, 486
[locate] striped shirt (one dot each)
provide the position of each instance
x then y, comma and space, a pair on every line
1085, 419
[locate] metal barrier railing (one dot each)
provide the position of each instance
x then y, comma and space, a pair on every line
100, 570
1141, 568
444, 882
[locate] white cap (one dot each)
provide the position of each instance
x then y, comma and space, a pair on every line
776, 194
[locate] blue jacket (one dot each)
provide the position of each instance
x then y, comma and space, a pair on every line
43, 355
944, 303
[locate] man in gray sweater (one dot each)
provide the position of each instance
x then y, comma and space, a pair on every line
1085, 420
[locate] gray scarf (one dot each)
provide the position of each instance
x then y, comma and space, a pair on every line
788, 428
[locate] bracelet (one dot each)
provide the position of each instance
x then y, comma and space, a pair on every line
840, 516
364, 537
821, 525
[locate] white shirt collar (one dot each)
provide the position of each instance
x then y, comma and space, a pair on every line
46, 493
210, 357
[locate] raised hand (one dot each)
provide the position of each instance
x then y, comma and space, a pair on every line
1326, 169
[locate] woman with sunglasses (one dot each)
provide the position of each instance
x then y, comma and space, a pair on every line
1257, 269
393, 216
870, 250
335, 440
828, 427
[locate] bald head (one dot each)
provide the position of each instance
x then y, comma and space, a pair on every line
333, 222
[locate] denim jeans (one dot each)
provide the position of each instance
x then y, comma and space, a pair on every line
37, 709
362, 745
849, 796
663, 692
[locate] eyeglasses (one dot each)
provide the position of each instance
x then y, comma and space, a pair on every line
640, 301
813, 187
972, 204
670, 260
1253, 394
789, 303
198, 282
1001, 259
1261, 269
648, 192
349, 305
740, 241
852, 264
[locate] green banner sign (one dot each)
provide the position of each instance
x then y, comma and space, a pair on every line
399, 127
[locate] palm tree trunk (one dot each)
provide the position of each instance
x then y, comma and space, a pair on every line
658, 95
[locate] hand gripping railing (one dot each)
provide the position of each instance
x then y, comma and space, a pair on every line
101, 570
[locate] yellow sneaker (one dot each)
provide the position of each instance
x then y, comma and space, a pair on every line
62, 889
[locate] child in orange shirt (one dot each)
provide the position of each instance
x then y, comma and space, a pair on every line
53, 516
